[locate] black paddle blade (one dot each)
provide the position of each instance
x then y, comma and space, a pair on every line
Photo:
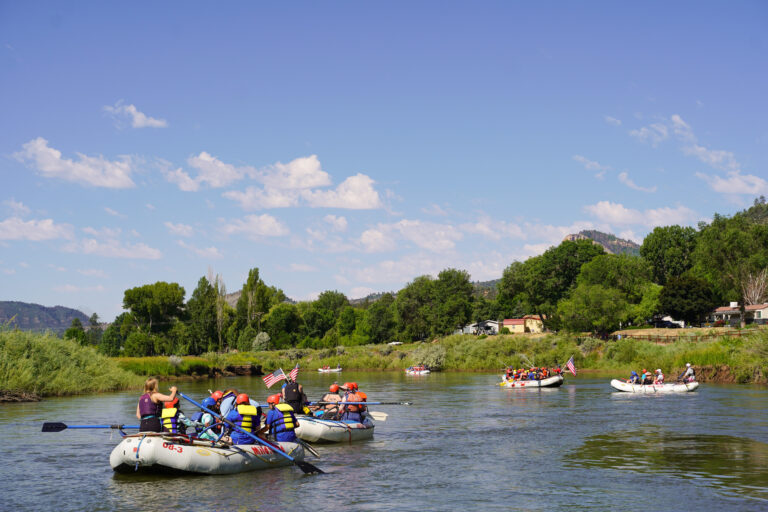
53, 427
308, 468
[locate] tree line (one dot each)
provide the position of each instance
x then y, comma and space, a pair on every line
683, 272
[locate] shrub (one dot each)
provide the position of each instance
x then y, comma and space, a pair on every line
175, 361
261, 342
433, 356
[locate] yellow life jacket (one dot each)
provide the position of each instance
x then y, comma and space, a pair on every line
170, 420
287, 411
248, 412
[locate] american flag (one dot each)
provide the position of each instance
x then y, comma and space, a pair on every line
571, 366
273, 377
294, 373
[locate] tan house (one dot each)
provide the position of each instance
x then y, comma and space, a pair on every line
529, 323
731, 314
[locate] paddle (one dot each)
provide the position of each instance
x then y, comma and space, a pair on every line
378, 416
58, 427
306, 467
362, 403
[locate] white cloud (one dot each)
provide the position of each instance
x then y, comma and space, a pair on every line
495, 230
399, 272
736, 183
103, 232
617, 214
181, 179
112, 248
256, 226
624, 178
302, 267
718, 159
71, 288
17, 207
138, 119
300, 173
114, 213
24, 264
214, 172
92, 272
96, 171
179, 229
15, 228
9, 271
356, 193
590, 165
337, 223
653, 134
207, 252
612, 120
256, 198
427, 235
149, 206
434, 209
359, 292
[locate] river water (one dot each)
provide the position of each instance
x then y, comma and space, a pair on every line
465, 443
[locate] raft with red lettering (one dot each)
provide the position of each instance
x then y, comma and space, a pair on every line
170, 454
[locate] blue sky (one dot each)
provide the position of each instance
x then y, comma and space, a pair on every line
353, 146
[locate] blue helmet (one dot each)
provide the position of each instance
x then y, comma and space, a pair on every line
209, 403
633, 373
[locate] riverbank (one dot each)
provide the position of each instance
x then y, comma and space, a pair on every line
726, 359
34, 365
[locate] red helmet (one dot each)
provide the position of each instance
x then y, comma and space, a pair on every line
334, 388
347, 385
172, 403
354, 386
273, 399
242, 398
216, 395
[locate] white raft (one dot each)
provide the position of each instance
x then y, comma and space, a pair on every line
408, 371
316, 430
329, 370
157, 453
621, 385
550, 382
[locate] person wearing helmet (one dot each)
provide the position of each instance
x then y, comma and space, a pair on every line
246, 416
327, 411
659, 378
281, 420
206, 420
646, 377
634, 378
688, 375
351, 412
174, 420
293, 395
227, 401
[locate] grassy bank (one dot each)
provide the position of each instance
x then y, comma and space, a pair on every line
741, 359
45, 365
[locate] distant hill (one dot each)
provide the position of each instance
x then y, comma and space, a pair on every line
34, 317
611, 243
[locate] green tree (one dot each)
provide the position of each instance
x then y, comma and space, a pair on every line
139, 344
111, 340
155, 306
282, 324
415, 306
380, 319
201, 309
76, 332
626, 273
94, 330
593, 307
687, 298
453, 298
669, 251
346, 322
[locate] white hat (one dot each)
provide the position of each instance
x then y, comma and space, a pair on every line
688, 365
658, 370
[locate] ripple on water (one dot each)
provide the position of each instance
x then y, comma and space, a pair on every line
732, 466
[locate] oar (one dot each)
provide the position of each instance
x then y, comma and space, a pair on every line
362, 403
306, 467
308, 447
58, 427
378, 416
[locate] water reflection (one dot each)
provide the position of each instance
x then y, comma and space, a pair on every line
731, 465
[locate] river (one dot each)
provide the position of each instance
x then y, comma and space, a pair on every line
464, 443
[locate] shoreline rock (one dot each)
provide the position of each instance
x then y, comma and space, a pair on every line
19, 396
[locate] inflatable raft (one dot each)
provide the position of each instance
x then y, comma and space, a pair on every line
411, 371
329, 370
550, 382
163, 453
316, 430
621, 385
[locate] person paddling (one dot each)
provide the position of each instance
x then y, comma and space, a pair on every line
688, 375
150, 406
174, 421
247, 417
659, 379
329, 410
634, 378
351, 412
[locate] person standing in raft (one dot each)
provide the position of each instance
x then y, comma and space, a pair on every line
245, 416
281, 421
150, 406
293, 395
